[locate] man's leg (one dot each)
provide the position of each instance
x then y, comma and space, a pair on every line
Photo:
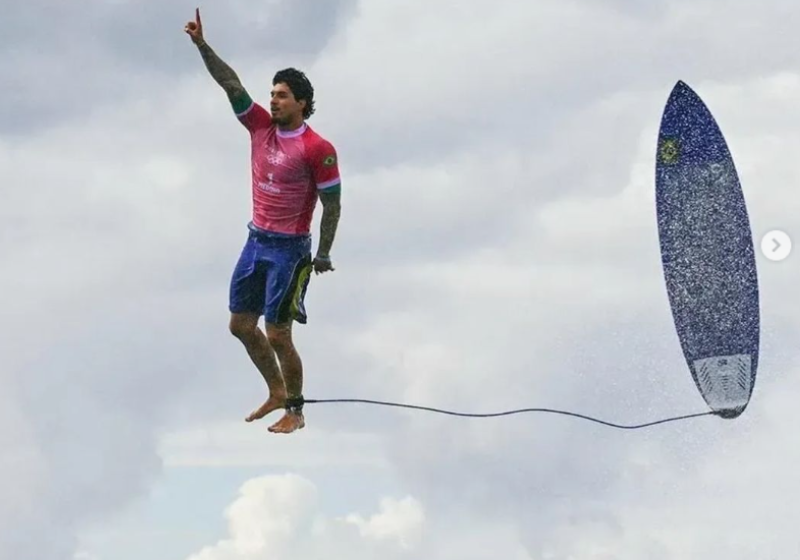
244, 326
280, 338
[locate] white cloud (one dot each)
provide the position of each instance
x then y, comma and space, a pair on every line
399, 520
276, 516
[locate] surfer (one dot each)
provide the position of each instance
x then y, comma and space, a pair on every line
292, 167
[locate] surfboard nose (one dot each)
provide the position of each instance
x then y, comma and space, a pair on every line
682, 90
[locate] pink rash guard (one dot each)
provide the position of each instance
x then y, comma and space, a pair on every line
289, 169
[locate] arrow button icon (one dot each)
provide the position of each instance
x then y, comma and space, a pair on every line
776, 245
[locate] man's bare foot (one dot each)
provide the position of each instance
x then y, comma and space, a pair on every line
290, 422
274, 402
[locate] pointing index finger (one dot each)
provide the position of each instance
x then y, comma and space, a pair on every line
197, 15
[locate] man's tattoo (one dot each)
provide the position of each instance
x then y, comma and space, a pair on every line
221, 72
331, 211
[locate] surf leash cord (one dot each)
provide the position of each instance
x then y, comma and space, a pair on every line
517, 411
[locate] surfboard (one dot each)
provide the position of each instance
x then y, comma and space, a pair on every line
707, 253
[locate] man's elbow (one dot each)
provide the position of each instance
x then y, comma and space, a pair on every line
333, 209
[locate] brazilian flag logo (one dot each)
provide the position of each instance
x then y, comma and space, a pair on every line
328, 161
670, 151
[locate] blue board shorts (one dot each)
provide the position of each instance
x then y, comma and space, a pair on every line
272, 276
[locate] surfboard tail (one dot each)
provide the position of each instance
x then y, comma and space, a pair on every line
726, 382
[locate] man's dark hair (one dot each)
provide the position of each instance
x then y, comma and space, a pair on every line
300, 85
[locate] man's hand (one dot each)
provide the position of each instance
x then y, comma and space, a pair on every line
195, 29
221, 72
322, 264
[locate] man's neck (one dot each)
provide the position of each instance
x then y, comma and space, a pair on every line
294, 125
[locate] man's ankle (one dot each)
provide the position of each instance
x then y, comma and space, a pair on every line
294, 404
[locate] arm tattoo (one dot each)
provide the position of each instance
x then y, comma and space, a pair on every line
331, 210
221, 72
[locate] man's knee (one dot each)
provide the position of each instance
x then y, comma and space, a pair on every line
243, 326
279, 336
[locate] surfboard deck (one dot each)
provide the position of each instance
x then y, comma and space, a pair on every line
707, 253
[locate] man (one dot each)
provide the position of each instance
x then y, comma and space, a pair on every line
292, 166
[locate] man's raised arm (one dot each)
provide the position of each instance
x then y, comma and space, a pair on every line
219, 70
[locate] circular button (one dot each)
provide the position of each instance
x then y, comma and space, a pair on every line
776, 245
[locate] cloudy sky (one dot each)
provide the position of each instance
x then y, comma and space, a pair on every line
497, 250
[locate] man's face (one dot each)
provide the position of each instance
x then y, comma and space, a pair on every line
283, 106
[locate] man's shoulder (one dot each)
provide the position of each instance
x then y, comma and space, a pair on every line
315, 140
254, 116
321, 156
